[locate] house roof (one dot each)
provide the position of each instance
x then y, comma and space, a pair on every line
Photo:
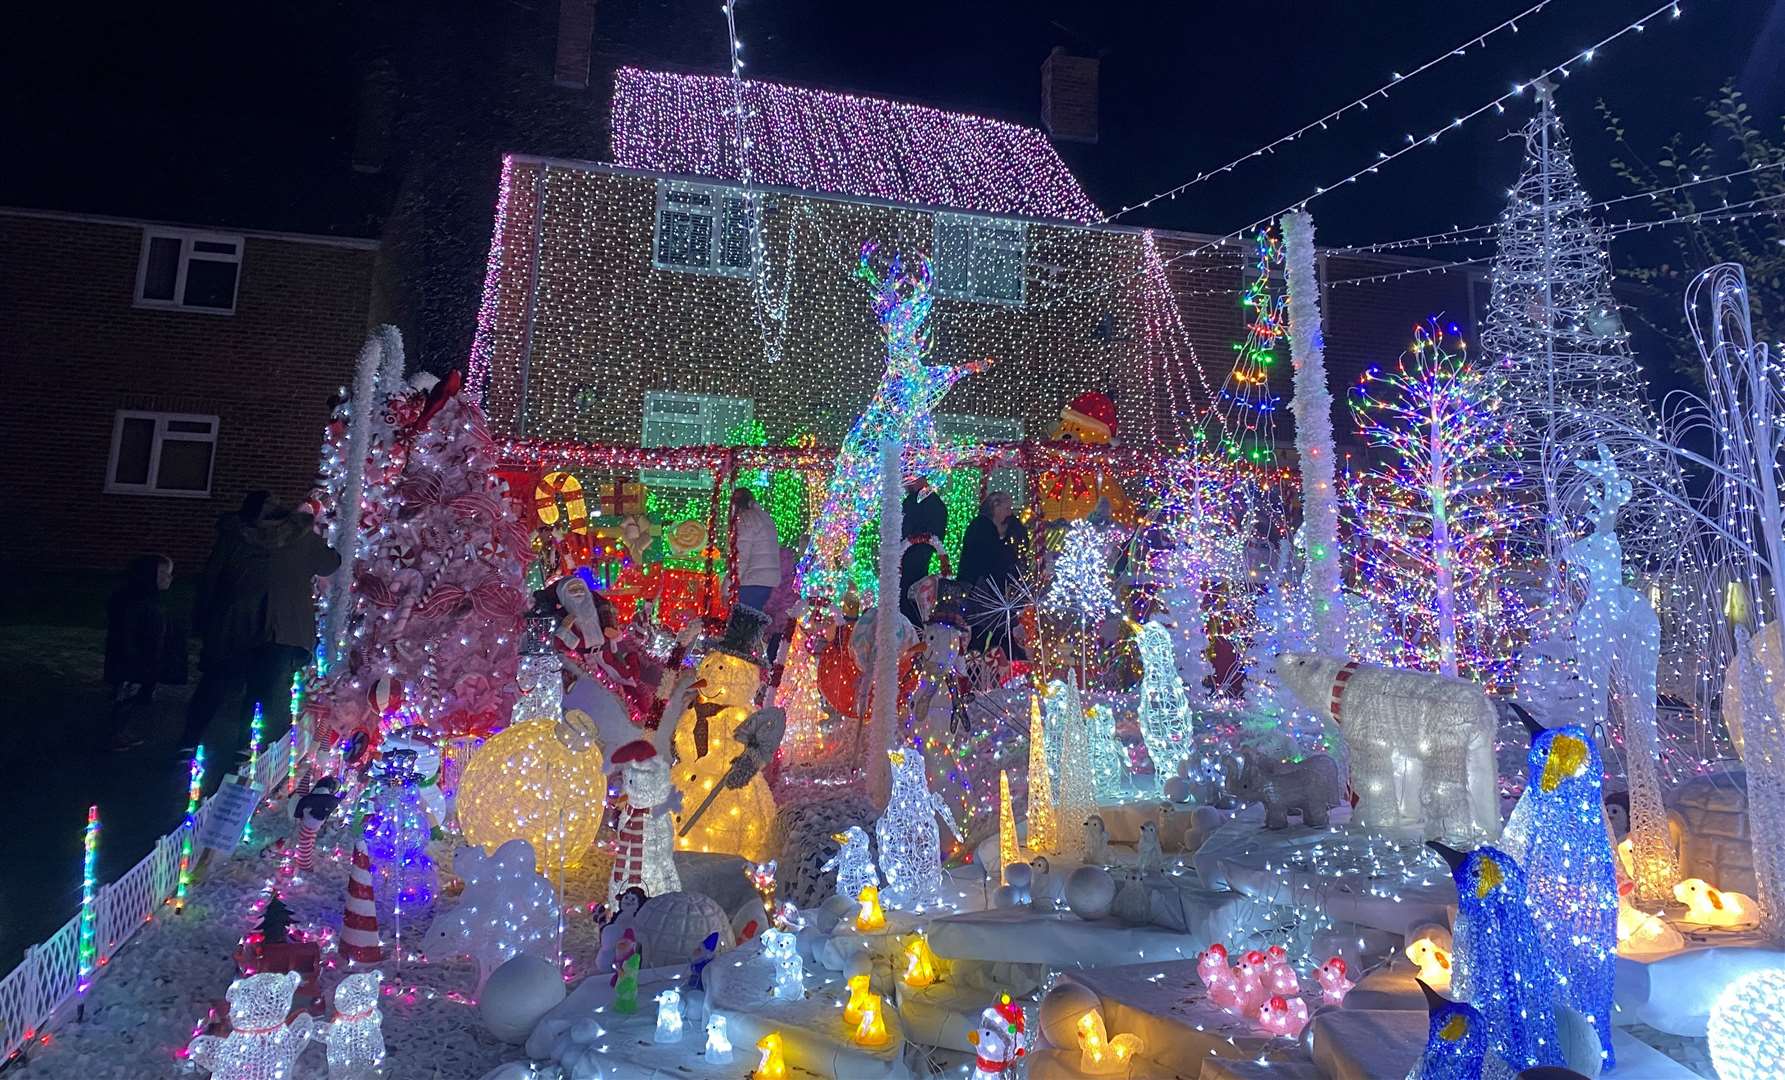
817, 140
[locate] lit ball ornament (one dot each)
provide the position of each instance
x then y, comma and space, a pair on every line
524, 784
1747, 1027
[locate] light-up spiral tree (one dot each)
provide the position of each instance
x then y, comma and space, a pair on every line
1433, 519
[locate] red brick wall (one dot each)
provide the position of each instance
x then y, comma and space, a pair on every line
75, 351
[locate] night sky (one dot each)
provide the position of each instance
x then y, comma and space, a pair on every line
236, 115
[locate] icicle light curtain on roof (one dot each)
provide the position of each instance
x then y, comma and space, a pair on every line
820, 141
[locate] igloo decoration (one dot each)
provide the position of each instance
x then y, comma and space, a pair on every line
1422, 745
1715, 846
671, 926
506, 909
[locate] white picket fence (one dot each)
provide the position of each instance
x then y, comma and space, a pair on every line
42, 989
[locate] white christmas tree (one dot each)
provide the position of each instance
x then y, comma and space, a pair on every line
1081, 584
1553, 323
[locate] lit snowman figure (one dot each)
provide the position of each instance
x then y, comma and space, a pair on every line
1000, 1040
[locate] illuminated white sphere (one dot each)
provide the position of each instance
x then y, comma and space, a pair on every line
1747, 1027
518, 994
524, 784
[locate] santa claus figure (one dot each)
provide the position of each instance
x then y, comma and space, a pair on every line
1070, 493
1000, 1040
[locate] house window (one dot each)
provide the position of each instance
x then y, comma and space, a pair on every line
689, 420
981, 259
162, 454
701, 228
191, 271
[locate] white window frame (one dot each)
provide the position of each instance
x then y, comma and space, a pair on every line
187, 237
710, 417
980, 229
723, 199
161, 419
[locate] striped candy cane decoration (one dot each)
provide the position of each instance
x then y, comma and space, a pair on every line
359, 926
306, 846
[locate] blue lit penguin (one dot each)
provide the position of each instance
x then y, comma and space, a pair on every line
1558, 836
1500, 964
1456, 1040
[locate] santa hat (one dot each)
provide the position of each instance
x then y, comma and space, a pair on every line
1092, 410
1010, 1014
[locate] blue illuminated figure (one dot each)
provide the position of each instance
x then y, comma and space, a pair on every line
1500, 964
1456, 1040
397, 833
1558, 835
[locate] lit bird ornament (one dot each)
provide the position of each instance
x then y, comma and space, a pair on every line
1558, 835
1501, 966
1456, 1040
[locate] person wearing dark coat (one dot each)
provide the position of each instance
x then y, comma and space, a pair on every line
140, 653
992, 553
256, 619
925, 524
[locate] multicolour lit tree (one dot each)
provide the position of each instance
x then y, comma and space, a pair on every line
1433, 519
1245, 406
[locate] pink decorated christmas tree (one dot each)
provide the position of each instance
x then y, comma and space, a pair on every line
433, 637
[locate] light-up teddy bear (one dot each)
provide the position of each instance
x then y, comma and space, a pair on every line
1000, 1041
853, 863
1558, 836
356, 1034
706, 741
910, 843
1501, 966
260, 1045
1070, 493
1710, 906
506, 909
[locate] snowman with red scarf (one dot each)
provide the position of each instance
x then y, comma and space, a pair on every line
1000, 1040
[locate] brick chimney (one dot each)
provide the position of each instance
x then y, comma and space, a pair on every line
1069, 97
576, 33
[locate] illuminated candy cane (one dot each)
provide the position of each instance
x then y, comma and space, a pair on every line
575, 513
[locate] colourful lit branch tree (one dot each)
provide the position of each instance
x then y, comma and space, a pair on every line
1433, 518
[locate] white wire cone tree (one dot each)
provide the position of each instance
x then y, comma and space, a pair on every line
1570, 375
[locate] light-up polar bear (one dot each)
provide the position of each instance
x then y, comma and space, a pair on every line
1422, 745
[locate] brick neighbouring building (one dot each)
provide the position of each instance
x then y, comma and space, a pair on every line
627, 281
84, 351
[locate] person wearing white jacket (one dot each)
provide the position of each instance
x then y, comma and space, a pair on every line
756, 571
